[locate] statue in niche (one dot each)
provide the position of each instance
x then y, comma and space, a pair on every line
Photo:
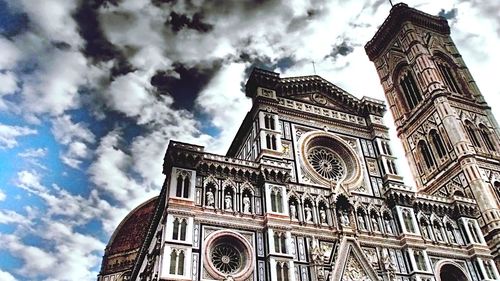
246, 204
307, 209
437, 231
210, 198
293, 211
388, 226
344, 218
425, 231
375, 225
361, 222
322, 215
228, 200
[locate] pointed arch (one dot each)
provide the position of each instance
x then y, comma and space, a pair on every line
437, 143
471, 132
487, 137
426, 154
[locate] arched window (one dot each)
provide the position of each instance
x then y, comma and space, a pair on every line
469, 127
280, 242
268, 142
180, 264
267, 122
426, 154
178, 191
273, 142
410, 90
173, 262
279, 272
420, 260
273, 201
183, 230
175, 230
449, 77
473, 232
285, 271
438, 143
485, 134
176, 262
187, 183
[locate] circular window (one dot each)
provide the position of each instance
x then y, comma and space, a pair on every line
226, 258
326, 163
227, 253
327, 159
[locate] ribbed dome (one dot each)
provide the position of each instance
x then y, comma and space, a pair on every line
127, 239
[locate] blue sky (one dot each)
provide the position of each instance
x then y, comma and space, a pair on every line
92, 91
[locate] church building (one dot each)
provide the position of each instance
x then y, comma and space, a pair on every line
309, 189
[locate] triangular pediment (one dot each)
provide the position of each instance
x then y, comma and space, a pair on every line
317, 91
352, 264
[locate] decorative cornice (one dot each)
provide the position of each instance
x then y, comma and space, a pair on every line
400, 14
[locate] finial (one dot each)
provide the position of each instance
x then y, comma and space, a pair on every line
390, 1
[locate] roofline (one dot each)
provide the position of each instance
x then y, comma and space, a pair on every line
401, 13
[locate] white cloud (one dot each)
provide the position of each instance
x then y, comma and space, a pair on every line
225, 104
30, 181
10, 54
9, 135
6, 276
75, 137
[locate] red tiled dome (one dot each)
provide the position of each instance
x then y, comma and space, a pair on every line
127, 238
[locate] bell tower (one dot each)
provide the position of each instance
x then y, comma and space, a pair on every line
449, 135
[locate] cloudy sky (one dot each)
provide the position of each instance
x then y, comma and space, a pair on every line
92, 91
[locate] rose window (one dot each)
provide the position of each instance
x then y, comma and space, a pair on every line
226, 258
326, 163
228, 253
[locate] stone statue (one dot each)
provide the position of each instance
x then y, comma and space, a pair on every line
229, 202
246, 204
322, 215
210, 198
375, 226
388, 226
293, 211
361, 222
307, 209
344, 218
437, 231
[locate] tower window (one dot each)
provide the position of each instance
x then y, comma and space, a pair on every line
281, 271
426, 154
410, 90
177, 262
179, 229
183, 185
485, 135
269, 122
449, 78
280, 243
276, 201
438, 143
472, 134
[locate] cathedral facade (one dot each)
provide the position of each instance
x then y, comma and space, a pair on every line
309, 189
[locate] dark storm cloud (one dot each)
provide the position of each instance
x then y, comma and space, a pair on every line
184, 83
449, 15
343, 49
97, 46
180, 21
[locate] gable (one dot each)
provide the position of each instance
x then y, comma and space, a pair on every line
352, 264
